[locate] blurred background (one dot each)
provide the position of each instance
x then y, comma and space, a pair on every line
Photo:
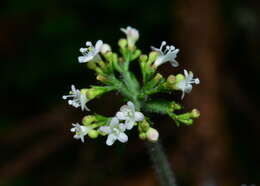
39, 42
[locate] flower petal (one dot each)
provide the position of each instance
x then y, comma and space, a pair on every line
139, 116
84, 59
131, 105
122, 137
114, 121
111, 138
98, 45
121, 116
105, 129
129, 125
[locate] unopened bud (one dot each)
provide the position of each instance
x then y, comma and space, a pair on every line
144, 126
152, 57
142, 136
93, 134
152, 135
87, 120
195, 113
143, 58
105, 48
101, 78
171, 79
179, 77
122, 43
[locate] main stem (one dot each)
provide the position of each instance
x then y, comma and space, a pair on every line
161, 164
158, 157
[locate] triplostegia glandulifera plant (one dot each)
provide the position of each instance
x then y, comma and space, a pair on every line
113, 71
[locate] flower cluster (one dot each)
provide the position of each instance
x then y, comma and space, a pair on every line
112, 70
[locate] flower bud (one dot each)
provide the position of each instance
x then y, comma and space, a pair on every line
152, 57
142, 136
179, 77
122, 43
101, 78
93, 134
195, 113
144, 126
132, 35
143, 58
175, 106
105, 48
171, 79
87, 120
152, 135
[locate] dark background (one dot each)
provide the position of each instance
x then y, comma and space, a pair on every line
39, 42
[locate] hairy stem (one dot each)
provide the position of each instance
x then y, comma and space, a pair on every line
161, 164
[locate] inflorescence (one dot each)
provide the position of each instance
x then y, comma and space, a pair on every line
107, 65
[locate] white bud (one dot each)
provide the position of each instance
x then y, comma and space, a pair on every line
105, 48
152, 135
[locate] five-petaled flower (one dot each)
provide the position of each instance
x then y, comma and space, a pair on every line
115, 131
80, 131
129, 115
90, 53
185, 85
169, 54
79, 99
132, 35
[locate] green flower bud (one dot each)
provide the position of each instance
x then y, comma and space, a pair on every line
179, 77
93, 134
87, 120
144, 126
195, 113
152, 57
143, 58
152, 135
122, 43
171, 79
175, 106
142, 136
101, 78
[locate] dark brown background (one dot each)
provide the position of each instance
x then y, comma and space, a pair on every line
39, 42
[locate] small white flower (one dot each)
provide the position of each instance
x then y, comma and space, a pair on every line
80, 131
132, 35
129, 115
78, 99
91, 52
185, 85
115, 131
169, 54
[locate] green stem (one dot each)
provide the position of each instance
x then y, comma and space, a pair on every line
161, 164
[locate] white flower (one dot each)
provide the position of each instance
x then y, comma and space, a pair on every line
80, 131
91, 52
129, 115
132, 35
185, 85
115, 131
169, 54
79, 99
